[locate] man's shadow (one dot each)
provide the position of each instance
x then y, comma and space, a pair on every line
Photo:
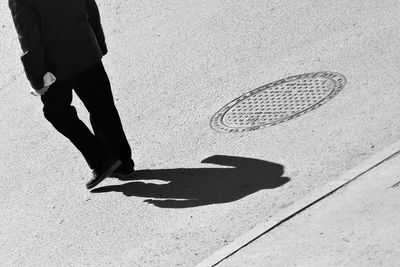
184, 188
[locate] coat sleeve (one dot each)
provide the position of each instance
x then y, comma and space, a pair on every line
27, 23
94, 20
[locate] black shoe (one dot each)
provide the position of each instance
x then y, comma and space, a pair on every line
123, 174
101, 174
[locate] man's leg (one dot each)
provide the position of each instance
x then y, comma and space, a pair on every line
94, 89
58, 111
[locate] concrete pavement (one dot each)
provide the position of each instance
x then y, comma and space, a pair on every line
172, 65
356, 226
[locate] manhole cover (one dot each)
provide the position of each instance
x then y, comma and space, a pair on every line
278, 101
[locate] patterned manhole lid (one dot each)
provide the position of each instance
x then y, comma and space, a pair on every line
278, 101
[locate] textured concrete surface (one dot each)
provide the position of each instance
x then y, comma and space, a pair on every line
172, 66
356, 226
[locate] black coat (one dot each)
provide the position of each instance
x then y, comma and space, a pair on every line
63, 37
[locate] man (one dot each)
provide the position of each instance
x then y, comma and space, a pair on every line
64, 38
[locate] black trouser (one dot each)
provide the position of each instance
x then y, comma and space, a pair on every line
93, 88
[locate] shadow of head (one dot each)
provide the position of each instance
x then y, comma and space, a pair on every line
183, 188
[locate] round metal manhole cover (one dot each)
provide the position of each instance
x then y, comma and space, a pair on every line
278, 101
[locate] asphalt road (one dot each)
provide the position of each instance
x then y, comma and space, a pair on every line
172, 66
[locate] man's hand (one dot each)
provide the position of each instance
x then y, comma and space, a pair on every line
48, 79
39, 92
